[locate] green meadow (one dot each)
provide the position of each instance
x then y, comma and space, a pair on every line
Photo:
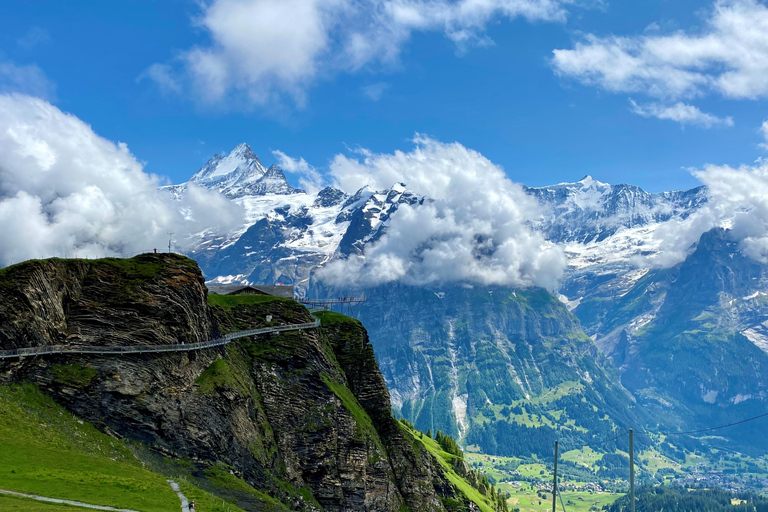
45, 450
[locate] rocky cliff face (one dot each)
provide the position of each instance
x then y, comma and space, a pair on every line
303, 416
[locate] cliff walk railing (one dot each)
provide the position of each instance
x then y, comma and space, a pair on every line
149, 349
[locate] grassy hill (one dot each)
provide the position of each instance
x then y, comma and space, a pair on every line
47, 451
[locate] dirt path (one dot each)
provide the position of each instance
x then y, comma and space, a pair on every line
184, 500
67, 502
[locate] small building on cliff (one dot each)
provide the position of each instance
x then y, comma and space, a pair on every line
251, 289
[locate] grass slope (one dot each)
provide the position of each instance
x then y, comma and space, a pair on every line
331, 318
47, 451
445, 459
232, 301
18, 504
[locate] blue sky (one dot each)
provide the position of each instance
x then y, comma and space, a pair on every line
500, 94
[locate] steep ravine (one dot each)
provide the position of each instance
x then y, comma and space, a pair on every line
303, 416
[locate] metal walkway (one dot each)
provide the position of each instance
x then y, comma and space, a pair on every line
149, 349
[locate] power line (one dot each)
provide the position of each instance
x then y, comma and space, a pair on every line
611, 440
713, 428
687, 431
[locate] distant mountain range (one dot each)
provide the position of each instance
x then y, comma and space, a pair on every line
590, 211
688, 343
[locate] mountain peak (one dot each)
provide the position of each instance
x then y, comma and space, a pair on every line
240, 167
590, 182
273, 181
585, 183
244, 150
275, 171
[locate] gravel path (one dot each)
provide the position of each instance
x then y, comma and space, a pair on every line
67, 502
184, 500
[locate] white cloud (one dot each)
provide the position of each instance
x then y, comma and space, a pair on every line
745, 192
474, 228
65, 191
260, 50
374, 92
310, 179
737, 199
28, 79
728, 57
682, 113
764, 133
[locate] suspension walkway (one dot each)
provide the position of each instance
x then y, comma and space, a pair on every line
150, 349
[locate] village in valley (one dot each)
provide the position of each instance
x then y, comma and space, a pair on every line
528, 482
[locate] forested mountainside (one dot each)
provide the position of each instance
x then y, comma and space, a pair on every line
300, 420
488, 363
460, 357
679, 499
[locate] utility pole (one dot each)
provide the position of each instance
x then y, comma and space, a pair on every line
554, 483
631, 471
170, 237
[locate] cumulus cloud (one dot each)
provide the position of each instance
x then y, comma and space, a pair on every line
740, 196
310, 179
681, 113
260, 50
65, 191
473, 228
737, 199
728, 57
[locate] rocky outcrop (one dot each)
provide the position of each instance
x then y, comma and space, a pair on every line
303, 416
417, 474
149, 299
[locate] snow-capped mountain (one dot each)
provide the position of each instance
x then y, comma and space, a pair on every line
601, 226
605, 228
238, 174
591, 211
241, 165
288, 234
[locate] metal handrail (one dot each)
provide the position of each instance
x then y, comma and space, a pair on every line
146, 349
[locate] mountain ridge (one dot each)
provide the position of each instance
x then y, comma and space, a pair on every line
605, 230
